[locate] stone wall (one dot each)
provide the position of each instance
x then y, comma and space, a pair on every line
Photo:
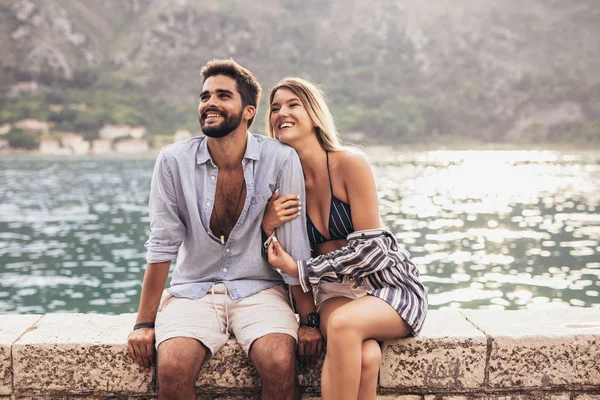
461, 354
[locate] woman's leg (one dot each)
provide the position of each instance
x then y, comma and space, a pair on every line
348, 326
328, 306
369, 370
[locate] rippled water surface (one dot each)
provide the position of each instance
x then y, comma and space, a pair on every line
489, 229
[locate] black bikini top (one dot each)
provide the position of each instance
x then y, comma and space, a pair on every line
340, 220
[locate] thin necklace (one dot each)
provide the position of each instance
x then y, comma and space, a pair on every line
222, 235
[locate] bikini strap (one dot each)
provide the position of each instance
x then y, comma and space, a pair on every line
329, 174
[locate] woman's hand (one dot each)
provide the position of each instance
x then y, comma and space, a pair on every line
278, 258
280, 210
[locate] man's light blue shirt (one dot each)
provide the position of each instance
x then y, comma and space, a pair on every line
182, 196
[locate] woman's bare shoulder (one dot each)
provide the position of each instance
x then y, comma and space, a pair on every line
351, 160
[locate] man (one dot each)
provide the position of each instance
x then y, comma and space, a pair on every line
207, 200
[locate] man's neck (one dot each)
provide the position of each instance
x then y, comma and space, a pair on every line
228, 152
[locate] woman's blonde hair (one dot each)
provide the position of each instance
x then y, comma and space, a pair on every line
313, 100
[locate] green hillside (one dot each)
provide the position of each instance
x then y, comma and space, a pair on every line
395, 71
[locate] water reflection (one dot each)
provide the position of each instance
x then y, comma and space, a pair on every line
507, 229
497, 229
72, 234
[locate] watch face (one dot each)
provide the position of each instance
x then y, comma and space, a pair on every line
312, 320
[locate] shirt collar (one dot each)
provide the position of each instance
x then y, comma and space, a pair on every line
252, 150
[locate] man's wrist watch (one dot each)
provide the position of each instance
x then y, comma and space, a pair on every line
313, 320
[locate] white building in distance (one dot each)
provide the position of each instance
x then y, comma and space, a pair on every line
111, 132
33, 125
131, 146
101, 146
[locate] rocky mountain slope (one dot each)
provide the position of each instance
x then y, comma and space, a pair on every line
395, 70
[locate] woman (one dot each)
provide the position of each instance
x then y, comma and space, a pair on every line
367, 289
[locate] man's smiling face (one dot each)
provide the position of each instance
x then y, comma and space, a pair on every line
220, 109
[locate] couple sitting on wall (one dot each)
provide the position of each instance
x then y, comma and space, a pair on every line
242, 214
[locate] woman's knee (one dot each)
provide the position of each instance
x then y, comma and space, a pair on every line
371, 357
340, 324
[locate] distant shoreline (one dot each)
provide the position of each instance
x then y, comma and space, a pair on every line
370, 149
480, 147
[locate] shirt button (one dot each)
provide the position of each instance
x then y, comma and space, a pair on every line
208, 204
212, 178
224, 269
227, 250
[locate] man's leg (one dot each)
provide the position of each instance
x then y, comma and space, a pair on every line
274, 357
178, 364
267, 329
187, 332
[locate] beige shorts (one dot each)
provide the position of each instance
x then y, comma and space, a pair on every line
328, 290
211, 319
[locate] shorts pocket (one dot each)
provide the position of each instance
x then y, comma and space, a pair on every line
165, 299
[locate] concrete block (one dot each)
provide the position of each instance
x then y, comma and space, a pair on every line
78, 354
479, 396
449, 354
310, 377
534, 349
388, 397
230, 367
11, 328
98, 396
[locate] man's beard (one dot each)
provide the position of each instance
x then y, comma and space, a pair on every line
228, 125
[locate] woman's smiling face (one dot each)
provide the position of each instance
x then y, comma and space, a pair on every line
288, 116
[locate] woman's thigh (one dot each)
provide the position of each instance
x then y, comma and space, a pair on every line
371, 318
328, 307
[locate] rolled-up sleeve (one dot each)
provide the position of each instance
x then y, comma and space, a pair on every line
167, 231
358, 259
293, 235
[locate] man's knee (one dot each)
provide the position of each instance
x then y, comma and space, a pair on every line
274, 356
173, 375
283, 361
178, 362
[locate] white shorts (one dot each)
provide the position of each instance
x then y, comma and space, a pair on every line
329, 290
211, 319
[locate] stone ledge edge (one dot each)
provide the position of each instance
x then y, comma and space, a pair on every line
484, 389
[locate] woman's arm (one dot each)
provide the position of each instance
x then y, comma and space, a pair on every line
361, 257
364, 255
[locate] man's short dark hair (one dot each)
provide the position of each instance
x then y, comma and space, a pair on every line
246, 82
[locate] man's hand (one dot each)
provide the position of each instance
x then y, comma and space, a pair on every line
310, 345
140, 345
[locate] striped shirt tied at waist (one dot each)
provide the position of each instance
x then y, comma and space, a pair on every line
373, 258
